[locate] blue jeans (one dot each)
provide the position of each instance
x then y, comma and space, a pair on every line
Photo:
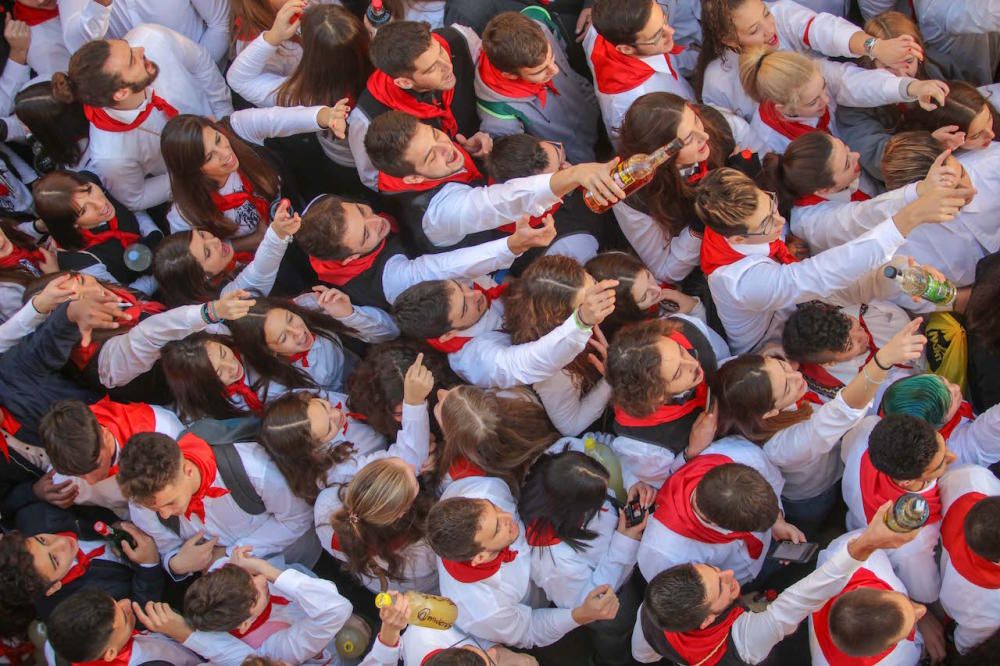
809, 514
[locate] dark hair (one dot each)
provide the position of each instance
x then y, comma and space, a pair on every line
802, 169
375, 388
53, 195
181, 279
451, 528
623, 267
516, 156
717, 25
982, 317
17, 274
737, 497
329, 34
20, 581
57, 126
676, 599
512, 41
80, 627
620, 21
72, 437
220, 600
386, 141
908, 157
902, 446
192, 380
287, 436
397, 45
963, 103
633, 366
148, 463
862, 620
652, 122
422, 311
982, 528
323, 226
248, 335
745, 394
454, 656
562, 493
183, 146
87, 81
814, 330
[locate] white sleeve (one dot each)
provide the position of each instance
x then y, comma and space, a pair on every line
326, 612
799, 445
978, 441
413, 439
401, 273
248, 77
256, 125
473, 40
258, 276
916, 565
20, 325
745, 136
83, 21
203, 69
824, 33
215, 14
851, 85
520, 625
126, 179
357, 127
825, 226
968, 18
567, 577
644, 462
15, 75
459, 210
371, 324
668, 259
219, 647
382, 654
289, 517
642, 651
569, 411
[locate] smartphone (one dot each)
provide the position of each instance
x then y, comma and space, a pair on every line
786, 551
634, 513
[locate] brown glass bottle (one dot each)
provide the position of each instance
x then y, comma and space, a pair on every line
909, 512
635, 172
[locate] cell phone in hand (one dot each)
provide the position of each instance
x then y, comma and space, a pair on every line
799, 553
634, 512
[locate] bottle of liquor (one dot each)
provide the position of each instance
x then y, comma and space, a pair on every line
114, 535
353, 638
603, 454
915, 281
426, 610
908, 513
633, 173
377, 14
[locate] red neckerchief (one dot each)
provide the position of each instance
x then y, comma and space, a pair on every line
123, 657
199, 453
123, 420
10, 426
814, 199
821, 623
357, 416
302, 356
33, 15
382, 88
705, 647
90, 239
974, 568
699, 174
465, 572
615, 72
877, 489
81, 355
242, 389
469, 173
18, 254
233, 200
100, 118
18, 655
339, 273
809, 397
463, 468
818, 377
534, 222
515, 88
674, 510
82, 560
541, 534
262, 618
455, 344
716, 252
791, 129
668, 413
964, 412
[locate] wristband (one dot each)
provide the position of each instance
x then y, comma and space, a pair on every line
204, 314
879, 364
578, 320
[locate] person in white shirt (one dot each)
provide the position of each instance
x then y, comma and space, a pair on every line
755, 280
16, 73
970, 557
129, 97
48, 53
693, 610
485, 567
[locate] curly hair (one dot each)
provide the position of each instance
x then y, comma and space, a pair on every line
633, 369
220, 600
814, 330
19, 580
149, 462
902, 446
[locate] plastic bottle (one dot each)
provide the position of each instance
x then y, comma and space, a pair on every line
634, 173
138, 257
908, 513
114, 535
426, 610
377, 14
353, 638
915, 281
603, 454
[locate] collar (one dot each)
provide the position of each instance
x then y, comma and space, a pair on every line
264, 616
465, 572
517, 88
491, 320
83, 560
468, 174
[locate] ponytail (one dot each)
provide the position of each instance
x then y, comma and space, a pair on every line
803, 169
776, 76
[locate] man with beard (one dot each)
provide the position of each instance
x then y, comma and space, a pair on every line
129, 89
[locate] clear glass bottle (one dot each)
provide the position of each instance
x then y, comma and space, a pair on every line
603, 454
633, 173
915, 281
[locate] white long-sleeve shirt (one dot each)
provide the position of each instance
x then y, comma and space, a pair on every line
568, 408
668, 259
130, 163
839, 220
47, 53
983, 167
259, 275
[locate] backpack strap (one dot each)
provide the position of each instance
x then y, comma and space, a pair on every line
501, 111
231, 468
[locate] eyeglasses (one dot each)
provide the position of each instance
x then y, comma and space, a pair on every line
659, 33
767, 226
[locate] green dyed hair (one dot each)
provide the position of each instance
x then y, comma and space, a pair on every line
924, 396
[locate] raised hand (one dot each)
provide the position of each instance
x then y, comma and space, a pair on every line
334, 118
418, 382
285, 222
336, 303
907, 345
57, 291
526, 237
286, 22
234, 305
598, 303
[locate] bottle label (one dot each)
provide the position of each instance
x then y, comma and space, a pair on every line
937, 291
428, 619
623, 178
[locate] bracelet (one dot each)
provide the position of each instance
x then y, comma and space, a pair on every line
870, 46
579, 321
881, 367
204, 313
867, 377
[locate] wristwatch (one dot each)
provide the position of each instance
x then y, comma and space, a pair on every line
870, 46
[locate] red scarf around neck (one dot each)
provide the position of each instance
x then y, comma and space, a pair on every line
81, 355
225, 202
862, 578
18, 254
814, 199
456, 343
339, 273
9, 425
198, 452
34, 15
668, 413
463, 468
125, 238
705, 647
877, 489
517, 88
541, 534
82, 563
716, 252
242, 389
384, 89
101, 119
964, 412
790, 129
123, 420
699, 173
675, 511
974, 568
123, 658
615, 72
464, 572
468, 174
264, 616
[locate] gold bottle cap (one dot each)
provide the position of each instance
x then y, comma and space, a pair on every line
382, 599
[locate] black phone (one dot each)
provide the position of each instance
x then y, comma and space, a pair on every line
634, 513
786, 551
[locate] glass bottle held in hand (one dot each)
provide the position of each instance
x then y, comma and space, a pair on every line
426, 610
633, 173
907, 513
915, 281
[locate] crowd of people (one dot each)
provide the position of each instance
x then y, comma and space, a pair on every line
637, 330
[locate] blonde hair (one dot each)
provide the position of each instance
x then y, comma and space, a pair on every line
776, 76
725, 200
378, 493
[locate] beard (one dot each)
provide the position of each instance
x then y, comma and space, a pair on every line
146, 81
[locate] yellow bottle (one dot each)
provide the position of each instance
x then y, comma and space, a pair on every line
426, 610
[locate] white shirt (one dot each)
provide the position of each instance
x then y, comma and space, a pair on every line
147, 647
839, 220
883, 320
662, 548
191, 83
975, 609
906, 652
755, 295
47, 53
669, 259
569, 410
983, 167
